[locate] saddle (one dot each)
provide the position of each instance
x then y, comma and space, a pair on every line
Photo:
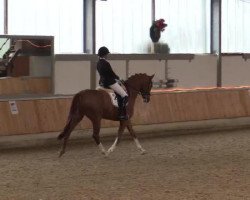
115, 98
112, 94
118, 101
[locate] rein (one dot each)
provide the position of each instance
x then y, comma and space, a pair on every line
138, 91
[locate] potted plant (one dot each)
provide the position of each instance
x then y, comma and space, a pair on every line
156, 28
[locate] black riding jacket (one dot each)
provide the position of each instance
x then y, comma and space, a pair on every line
107, 75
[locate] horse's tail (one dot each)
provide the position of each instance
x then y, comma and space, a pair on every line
73, 117
75, 105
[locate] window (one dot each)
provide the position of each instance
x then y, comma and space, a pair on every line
188, 29
123, 25
235, 26
60, 18
1, 17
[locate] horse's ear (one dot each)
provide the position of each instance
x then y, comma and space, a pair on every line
151, 77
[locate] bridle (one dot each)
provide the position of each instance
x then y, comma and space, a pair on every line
142, 93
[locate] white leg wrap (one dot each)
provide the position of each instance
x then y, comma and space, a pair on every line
137, 143
102, 148
139, 146
112, 148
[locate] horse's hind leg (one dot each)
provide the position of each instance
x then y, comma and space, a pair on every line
132, 133
96, 130
71, 124
118, 138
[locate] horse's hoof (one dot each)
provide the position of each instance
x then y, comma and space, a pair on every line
61, 153
110, 150
104, 153
143, 151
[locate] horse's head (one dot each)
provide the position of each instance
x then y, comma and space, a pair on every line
141, 83
146, 88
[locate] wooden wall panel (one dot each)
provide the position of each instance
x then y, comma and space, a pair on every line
47, 115
10, 86
191, 106
39, 85
25, 85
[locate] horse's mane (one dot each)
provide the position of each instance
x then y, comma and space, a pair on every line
135, 76
135, 79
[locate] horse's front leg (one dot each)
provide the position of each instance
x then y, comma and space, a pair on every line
118, 138
96, 130
132, 133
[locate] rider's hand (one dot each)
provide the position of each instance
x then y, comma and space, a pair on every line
122, 81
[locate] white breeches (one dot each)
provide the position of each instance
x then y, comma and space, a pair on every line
118, 89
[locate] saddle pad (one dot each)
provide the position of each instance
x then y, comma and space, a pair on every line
111, 94
105, 89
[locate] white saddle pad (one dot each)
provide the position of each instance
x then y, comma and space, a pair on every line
111, 94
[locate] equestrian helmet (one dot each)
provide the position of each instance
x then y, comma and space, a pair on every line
103, 51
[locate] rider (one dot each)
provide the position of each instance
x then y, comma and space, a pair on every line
109, 79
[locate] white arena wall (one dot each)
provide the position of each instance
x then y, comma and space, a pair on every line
235, 71
76, 72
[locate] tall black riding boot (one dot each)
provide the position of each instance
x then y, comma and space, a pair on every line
122, 113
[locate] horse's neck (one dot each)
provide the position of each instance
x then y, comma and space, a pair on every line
133, 93
132, 97
132, 88
131, 103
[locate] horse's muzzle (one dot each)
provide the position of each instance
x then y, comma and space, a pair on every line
146, 98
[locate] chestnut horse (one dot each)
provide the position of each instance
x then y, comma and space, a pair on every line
96, 105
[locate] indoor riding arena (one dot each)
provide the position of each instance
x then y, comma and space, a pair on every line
183, 134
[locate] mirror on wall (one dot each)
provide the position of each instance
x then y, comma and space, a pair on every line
26, 65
